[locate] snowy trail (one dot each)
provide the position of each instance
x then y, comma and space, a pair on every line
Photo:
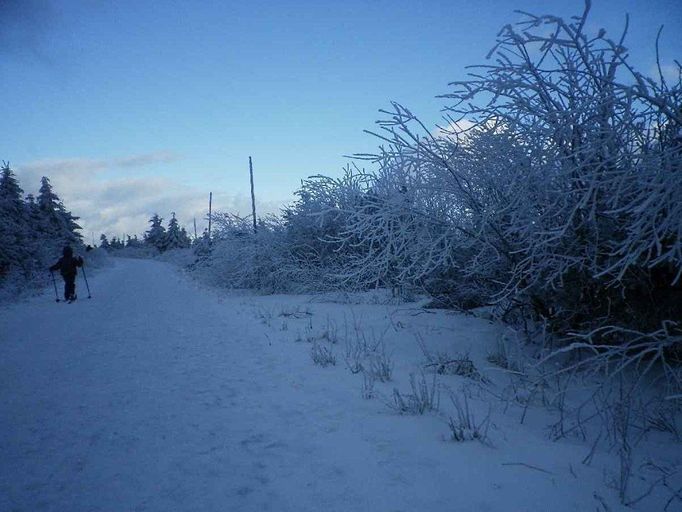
158, 396
153, 397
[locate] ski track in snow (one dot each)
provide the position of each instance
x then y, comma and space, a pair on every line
158, 395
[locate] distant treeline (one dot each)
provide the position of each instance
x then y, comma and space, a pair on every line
157, 238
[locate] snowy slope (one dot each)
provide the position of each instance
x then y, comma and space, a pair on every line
158, 395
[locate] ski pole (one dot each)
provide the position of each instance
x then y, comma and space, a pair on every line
86, 282
56, 293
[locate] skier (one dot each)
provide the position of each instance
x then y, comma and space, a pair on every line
67, 265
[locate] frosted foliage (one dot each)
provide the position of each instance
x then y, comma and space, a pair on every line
32, 234
562, 195
552, 193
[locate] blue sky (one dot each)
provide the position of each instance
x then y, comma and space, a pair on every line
139, 106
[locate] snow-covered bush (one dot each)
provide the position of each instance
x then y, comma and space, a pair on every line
552, 194
268, 260
464, 426
424, 397
560, 200
238, 258
322, 355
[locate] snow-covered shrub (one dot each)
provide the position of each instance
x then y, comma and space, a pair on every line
560, 200
367, 390
464, 427
379, 365
354, 355
265, 261
460, 365
424, 398
593, 214
551, 194
322, 355
292, 253
317, 217
444, 364
295, 312
330, 332
366, 352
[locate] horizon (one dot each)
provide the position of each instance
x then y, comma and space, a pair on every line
136, 109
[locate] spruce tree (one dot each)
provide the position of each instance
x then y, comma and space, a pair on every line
176, 238
33, 214
58, 222
133, 242
156, 235
116, 243
48, 201
103, 242
10, 191
15, 231
32, 231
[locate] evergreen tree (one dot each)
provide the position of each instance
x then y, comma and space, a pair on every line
133, 241
116, 243
15, 232
33, 213
157, 234
10, 191
58, 222
176, 238
186, 240
32, 231
103, 242
48, 201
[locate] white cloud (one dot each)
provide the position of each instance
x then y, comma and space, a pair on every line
146, 159
52, 166
72, 166
123, 204
453, 129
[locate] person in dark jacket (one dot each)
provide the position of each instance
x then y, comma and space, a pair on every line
68, 268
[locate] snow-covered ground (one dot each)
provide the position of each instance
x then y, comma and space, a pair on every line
161, 395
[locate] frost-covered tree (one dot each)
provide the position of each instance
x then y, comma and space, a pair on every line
10, 192
30, 235
176, 237
48, 201
57, 221
116, 243
14, 227
104, 241
156, 235
133, 241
